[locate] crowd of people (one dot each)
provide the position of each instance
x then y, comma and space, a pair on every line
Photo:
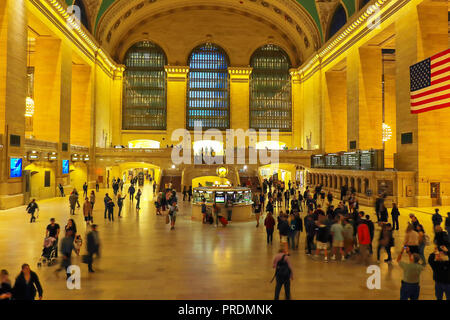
342, 232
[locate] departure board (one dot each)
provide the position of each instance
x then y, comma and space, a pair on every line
356, 160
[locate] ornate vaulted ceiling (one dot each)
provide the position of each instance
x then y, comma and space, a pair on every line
299, 26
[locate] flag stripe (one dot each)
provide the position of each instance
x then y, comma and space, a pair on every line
430, 83
440, 63
440, 54
430, 104
433, 82
441, 106
437, 98
428, 92
436, 73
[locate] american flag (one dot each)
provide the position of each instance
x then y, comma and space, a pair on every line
430, 83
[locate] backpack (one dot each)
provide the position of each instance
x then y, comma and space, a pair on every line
282, 271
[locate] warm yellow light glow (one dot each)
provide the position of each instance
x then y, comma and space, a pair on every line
387, 132
29, 108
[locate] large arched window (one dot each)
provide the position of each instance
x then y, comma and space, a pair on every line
270, 89
144, 90
338, 21
208, 100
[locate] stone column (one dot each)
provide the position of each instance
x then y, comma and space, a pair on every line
176, 98
13, 88
297, 110
364, 94
335, 113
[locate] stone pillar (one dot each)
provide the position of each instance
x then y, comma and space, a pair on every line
335, 104
13, 88
422, 32
297, 110
176, 98
117, 93
364, 95
240, 97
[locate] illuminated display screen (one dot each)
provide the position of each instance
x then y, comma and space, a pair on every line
65, 166
220, 197
15, 168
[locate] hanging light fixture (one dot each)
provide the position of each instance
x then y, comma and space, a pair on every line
387, 132
29, 103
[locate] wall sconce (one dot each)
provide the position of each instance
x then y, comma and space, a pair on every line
33, 155
52, 156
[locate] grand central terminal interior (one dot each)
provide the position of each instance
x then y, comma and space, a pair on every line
188, 150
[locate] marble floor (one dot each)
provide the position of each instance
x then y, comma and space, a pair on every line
143, 259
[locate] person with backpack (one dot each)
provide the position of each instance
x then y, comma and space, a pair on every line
131, 191
283, 274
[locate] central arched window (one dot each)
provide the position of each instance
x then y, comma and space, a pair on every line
270, 89
144, 88
208, 99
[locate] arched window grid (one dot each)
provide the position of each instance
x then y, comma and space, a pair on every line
208, 94
145, 88
270, 89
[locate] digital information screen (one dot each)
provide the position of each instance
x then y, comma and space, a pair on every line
220, 197
357, 160
65, 166
15, 168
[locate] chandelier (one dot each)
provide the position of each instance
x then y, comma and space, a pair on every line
387, 132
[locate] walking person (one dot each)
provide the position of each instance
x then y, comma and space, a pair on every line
440, 264
184, 193
66, 250
411, 240
92, 199
256, 208
87, 211
269, 223
283, 274
395, 213
229, 208
337, 231
106, 200
348, 238
27, 284
77, 195
110, 207
92, 246
138, 199
120, 203
5, 286
216, 212
31, 209
73, 199
173, 209
436, 218
131, 191
410, 288
61, 190
310, 228
154, 187
97, 186
322, 238
85, 190
364, 242
386, 241
283, 229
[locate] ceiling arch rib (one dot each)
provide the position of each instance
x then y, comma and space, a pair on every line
286, 17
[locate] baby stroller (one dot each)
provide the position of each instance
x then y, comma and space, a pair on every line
48, 253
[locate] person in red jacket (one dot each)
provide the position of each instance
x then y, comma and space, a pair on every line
364, 243
269, 223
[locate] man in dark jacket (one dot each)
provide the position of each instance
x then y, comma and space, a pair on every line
131, 191
436, 218
31, 209
106, 200
371, 231
66, 251
283, 228
440, 264
110, 205
395, 213
310, 228
92, 246
26, 290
